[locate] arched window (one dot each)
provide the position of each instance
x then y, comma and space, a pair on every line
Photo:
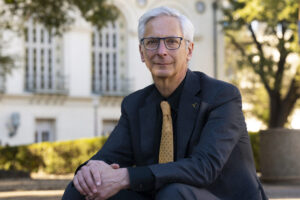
108, 55
42, 66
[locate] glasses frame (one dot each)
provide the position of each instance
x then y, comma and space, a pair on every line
161, 38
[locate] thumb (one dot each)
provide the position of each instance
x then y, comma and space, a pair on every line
115, 166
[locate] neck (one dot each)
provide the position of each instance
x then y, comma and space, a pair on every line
166, 86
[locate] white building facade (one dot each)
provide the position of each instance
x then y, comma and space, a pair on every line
71, 86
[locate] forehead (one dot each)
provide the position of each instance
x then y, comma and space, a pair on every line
163, 26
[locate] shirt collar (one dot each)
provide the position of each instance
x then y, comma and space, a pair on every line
174, 98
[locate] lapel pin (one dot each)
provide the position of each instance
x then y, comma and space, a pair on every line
195, 105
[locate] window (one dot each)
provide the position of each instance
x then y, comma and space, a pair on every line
43, 72
44, 130
108, 70
108, 126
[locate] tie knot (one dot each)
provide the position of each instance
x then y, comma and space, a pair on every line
165, 107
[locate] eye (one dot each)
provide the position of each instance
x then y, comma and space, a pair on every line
172, 41
151, 41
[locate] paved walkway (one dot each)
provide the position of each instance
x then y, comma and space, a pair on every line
274, 192
282, 191
31, 189
32, 195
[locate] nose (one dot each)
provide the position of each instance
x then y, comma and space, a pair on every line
162, 50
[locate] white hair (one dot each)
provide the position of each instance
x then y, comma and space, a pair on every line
186, 25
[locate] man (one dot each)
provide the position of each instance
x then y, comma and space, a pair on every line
209, 157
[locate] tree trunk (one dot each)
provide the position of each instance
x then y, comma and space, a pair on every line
275, 111
280, 110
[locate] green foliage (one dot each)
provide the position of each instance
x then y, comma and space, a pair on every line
255, 97
254, 138
54, 158
264, 33
241, 75
6, 61
19, 158
59, 14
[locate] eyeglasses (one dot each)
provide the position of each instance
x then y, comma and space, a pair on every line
152, 43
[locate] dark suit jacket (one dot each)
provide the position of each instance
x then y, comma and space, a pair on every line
213, 147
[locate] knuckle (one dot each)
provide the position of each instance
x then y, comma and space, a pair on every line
78, 173
101, 162
83, 168
79, 177
89, 162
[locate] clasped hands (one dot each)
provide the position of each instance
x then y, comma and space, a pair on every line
98, 181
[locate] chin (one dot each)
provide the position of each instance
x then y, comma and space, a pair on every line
162, 73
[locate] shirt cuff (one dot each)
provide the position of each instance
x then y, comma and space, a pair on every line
141, 179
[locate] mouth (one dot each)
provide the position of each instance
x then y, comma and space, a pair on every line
162, 63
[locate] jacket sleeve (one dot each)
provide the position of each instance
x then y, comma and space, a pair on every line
220, 134
118, 147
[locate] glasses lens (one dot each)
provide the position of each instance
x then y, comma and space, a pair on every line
172, 42
151, 43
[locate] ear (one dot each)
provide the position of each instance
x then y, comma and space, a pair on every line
141, 53
190, 51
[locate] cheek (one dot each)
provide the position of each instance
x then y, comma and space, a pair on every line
147, 61
147, 58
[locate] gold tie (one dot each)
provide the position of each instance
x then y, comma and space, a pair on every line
166, 150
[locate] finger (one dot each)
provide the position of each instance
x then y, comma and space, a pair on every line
115, 166
96, 176
77, 186
87, 175
83, 183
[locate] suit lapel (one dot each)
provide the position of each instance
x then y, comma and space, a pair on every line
148, 122
187, 114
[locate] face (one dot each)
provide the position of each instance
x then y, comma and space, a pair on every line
164, 63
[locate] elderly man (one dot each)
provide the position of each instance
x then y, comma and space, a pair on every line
183, 137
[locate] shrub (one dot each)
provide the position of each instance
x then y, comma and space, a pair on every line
64, 157
50, 157
19, 158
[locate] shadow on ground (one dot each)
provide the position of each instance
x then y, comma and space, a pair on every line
52, 189
32, 184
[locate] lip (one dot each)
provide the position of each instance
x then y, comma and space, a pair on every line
162, 63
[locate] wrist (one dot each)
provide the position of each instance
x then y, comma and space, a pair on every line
124, 176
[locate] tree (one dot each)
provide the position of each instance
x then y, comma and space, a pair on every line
255, 98
58, 14
272, 29
6, 62
53, 14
